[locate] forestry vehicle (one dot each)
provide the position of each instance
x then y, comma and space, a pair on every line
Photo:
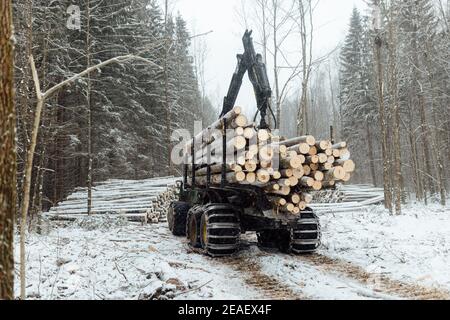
213, 217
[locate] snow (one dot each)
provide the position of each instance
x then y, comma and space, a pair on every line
111, 258
126, 261
413, 247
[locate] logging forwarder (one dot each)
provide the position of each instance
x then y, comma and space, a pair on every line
216, 206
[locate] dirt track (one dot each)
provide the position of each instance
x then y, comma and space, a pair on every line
381, 283
270, 287
369, 285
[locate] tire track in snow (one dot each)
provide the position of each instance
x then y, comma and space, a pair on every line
380, 283
254, 277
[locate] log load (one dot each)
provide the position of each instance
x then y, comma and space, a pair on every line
288, 170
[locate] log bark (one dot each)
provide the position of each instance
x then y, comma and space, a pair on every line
7, 153
231, 177
337, 173
291, 163
307, 182
323, 145
284, 191
203, 136
310, 140
348, 165
302, 148
218, 169
277, 201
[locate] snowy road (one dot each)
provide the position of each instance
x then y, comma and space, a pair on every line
366, 255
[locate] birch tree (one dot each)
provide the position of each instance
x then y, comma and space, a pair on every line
42, 97
306, 26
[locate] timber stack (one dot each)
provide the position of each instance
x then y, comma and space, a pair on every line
288, 170
157, 213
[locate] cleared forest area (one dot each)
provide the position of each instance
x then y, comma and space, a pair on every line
351, 133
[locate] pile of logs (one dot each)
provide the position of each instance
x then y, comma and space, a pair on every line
158, 211
287, 169
137, 200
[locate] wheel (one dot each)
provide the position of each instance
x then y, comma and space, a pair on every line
302, 238
193, 226
306, 233
176, 218
219, 230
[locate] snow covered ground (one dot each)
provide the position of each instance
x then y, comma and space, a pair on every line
365, 255
413, 247
125, 261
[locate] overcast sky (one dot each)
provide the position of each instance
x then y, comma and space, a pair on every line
331, 19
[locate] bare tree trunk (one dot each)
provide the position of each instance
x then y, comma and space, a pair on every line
7, 153
336, 123
383, 125
417, 177
41, 97
428, 174
303, 123
166, 88
275, 61
437, 152
37, 187
394, 101
89, 107
435, 138
370, 155
26, 196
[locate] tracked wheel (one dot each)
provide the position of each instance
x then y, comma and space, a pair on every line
193, 226
176, 218
306, 235
220, 230
302, 238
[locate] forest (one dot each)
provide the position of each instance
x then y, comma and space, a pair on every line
384, 90
116, 117
119, 118
83, 105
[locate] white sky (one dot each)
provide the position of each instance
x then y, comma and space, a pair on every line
331, 19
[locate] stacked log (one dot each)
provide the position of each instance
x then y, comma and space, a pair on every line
288, 170
137, 200
157, 212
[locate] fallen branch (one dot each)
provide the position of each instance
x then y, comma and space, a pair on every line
194, 289
118, 269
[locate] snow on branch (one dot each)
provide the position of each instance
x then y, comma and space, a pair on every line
49, 92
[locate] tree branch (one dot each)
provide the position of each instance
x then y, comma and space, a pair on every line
119, 59
37, 84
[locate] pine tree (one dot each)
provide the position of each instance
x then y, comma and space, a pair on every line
357, 98
127, 102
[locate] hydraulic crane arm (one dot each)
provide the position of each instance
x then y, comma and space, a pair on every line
257, 73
